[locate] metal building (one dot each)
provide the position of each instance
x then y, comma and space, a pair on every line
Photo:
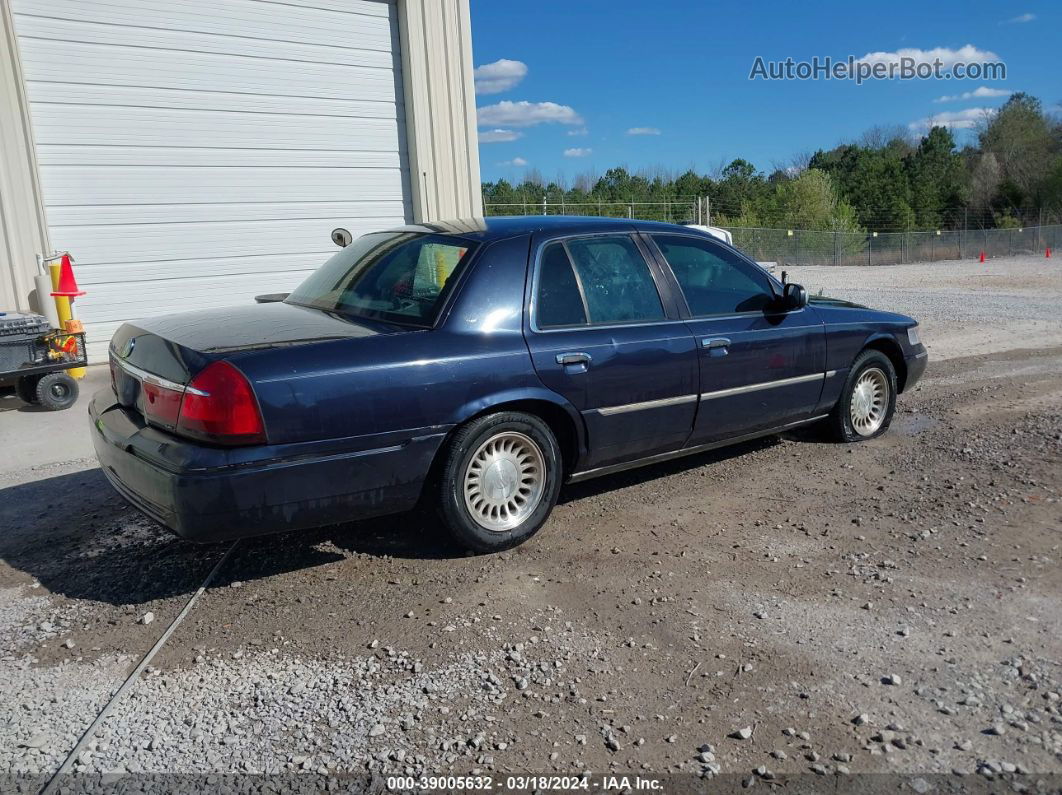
196, 153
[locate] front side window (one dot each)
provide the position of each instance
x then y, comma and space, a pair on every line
400, 277
596, 281
714, 280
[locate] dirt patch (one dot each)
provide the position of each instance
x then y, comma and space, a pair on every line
890, 606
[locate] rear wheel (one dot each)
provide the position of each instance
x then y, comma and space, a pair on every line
868, 400
500, 480
26, 388
57, 391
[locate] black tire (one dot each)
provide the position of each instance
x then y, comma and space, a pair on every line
451, 504
868, 363
57, 391
26, 388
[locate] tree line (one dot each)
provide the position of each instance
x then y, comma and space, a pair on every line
1009, 176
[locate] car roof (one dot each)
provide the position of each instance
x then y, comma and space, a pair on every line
496, 227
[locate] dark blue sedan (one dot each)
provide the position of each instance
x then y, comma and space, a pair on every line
475, 367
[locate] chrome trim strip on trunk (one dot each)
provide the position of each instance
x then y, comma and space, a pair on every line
740, 390
608, 411
156, 380
685, 451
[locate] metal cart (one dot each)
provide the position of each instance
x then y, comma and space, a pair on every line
36, 361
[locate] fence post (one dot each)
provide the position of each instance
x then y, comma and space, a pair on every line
836, 247
962, 236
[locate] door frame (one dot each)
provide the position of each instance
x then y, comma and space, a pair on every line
672, 311
671, 298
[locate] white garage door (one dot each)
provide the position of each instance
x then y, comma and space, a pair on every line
195, 153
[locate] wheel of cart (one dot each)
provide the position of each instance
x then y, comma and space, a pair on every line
37, 357
52, 391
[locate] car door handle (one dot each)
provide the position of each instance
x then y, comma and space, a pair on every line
577, 357
714, 343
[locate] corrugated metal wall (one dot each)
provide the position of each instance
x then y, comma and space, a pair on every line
23, 232
195, 154
198, 153
441, 103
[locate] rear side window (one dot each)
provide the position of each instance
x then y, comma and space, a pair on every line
559, 301
599, 280
714, 280
402, 277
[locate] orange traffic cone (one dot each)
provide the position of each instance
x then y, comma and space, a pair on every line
982, 256
67, 286
1048, 254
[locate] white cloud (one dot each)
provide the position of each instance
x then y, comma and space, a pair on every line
516, 161
947, 56
503, 74
643, 131
578, 151
1022, 18
526, 114
977, 93
579, 131
956, 120
498, 135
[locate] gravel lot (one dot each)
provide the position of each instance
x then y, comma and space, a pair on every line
965, 308
789, 607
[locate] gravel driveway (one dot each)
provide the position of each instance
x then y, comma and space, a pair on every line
789, 607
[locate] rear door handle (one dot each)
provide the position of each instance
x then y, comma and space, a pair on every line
714, 343
577, 357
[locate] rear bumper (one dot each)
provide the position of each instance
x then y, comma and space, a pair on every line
916, 366
209, 494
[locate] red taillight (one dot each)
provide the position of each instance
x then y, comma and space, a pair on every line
161, 403
219, 406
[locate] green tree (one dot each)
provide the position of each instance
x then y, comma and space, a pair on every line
1021, 137
937, 180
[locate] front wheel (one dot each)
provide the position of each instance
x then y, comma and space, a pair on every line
500, 480
868, 400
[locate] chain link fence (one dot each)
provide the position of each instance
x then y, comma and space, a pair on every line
676, 211
813, 247
808, 247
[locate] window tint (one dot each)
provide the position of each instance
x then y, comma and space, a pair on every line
401, 277
559, 301
616, 282
715, 281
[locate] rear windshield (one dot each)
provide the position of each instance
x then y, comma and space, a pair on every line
401, 277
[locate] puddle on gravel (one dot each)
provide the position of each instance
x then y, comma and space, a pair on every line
914, 424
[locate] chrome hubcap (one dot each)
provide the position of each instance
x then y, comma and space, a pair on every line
870, 401
504, 481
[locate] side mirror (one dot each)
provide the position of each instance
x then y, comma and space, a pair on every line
795, 296
341, 237
270, 298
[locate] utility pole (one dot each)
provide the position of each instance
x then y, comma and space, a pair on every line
707, 210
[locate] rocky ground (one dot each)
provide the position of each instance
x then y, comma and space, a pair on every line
789, 607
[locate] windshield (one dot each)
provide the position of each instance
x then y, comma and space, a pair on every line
400, 277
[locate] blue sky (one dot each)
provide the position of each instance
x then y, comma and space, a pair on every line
598, 83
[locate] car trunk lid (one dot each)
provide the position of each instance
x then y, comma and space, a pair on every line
153, 361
